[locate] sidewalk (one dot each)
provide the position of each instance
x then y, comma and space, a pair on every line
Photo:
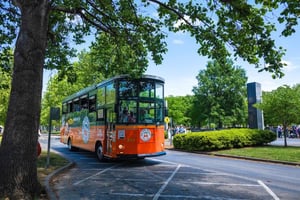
295, 142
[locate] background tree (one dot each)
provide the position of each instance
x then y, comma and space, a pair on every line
179, 109
5, 79
92, 67
221, 92
282, 107
47, 30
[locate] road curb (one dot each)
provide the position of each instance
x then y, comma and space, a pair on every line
50, 192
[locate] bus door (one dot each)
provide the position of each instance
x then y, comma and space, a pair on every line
110, 130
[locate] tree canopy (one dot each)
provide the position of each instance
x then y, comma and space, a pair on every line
44, 32
281, 106
179, 109
221, 93
5, 79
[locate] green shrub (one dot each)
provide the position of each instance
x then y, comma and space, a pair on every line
222, 139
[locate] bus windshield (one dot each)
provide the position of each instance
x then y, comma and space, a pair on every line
140, 101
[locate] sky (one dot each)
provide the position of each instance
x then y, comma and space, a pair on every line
182, 64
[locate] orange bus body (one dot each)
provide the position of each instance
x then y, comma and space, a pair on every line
120, 118
134, 144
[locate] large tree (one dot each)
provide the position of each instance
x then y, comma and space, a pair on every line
47, 29
282, 107
221, 92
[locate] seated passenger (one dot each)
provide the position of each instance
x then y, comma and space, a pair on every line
131, 117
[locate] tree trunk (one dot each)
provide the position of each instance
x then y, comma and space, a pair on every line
18, 150
285, 132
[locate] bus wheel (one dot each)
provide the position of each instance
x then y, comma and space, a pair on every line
70, 147
99, 152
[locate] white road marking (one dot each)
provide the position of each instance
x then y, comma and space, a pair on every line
156, 196
275, 197
101, 172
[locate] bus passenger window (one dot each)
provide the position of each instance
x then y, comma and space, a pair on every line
110, 93
159, 112
124, 115
84, 103
146, 112
100, 97
146, 89
92, 103
70, 107
127, 111
159, 91
64, 108
131, 117
127, 88
76, 105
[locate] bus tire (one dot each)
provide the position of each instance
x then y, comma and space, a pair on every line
99, 152
70, 146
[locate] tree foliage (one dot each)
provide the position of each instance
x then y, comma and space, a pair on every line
47, 30
281, 106
5, 79
221, 93
179, 109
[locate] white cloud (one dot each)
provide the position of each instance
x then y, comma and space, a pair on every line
187, 18
289, 66
176, 41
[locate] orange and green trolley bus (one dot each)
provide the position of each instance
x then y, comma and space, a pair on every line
119, 118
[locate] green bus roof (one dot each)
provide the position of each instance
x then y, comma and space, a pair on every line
95, 86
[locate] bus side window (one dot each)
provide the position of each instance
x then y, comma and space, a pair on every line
64, 108
84, 103
70, 107
76, 105
92, 103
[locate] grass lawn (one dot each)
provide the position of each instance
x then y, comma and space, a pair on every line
55, 162
279, 153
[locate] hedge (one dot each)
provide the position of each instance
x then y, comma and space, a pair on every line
222, 139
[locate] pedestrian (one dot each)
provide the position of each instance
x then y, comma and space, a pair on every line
279, 131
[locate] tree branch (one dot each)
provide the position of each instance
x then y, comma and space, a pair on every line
180, 15
79, 11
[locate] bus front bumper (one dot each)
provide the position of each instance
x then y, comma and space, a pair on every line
123, 156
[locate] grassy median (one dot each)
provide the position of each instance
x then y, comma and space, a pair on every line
278, 153
55, 162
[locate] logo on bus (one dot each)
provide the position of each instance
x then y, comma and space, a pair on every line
145, 135
85, 129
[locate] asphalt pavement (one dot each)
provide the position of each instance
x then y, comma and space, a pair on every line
52, 195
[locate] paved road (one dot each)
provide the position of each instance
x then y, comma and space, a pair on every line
177, 175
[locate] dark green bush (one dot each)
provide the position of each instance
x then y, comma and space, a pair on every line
222, 139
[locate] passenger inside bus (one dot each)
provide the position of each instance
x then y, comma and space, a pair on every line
124, 116
145, 117
131, 117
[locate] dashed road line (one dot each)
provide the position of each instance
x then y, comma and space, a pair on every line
156, 196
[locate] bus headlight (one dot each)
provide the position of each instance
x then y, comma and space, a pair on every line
121, 146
